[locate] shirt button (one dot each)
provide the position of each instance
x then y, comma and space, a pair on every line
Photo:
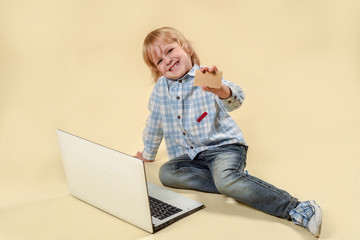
235, 97
178, 117
178, 97
191, 147
229, 101
184, 133
180, 81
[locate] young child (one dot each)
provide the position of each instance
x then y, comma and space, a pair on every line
206, 147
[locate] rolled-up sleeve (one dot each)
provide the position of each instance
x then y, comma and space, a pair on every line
235, 100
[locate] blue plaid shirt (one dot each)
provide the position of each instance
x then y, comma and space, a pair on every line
176, 107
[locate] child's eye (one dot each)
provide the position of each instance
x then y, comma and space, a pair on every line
158, 62
170, 50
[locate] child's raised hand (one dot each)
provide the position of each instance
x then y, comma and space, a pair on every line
207, 69
223, 92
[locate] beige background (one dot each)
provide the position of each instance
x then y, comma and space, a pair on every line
77, 65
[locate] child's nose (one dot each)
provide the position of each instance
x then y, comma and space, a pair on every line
168, 60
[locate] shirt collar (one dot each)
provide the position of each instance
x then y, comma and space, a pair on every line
191, 73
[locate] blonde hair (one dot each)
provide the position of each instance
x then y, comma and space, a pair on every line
167, 35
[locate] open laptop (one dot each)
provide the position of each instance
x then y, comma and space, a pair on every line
116, 183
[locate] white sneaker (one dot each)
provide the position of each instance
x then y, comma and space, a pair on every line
308, 214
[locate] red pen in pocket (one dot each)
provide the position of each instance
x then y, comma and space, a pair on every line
202, 117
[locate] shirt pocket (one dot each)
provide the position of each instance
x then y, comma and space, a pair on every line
201, 123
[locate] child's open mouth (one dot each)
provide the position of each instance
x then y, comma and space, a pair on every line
174, 66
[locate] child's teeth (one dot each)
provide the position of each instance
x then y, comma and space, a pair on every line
174, 67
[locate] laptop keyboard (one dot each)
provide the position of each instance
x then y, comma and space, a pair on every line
162, 210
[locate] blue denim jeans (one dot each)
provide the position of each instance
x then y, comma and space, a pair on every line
222, 171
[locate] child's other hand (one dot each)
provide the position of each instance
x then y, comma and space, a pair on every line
223, 92
139, 156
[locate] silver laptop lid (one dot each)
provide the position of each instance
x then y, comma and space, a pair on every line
107, 179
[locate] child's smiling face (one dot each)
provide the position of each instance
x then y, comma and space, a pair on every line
171, 59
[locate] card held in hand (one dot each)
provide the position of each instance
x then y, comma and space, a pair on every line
210, 79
